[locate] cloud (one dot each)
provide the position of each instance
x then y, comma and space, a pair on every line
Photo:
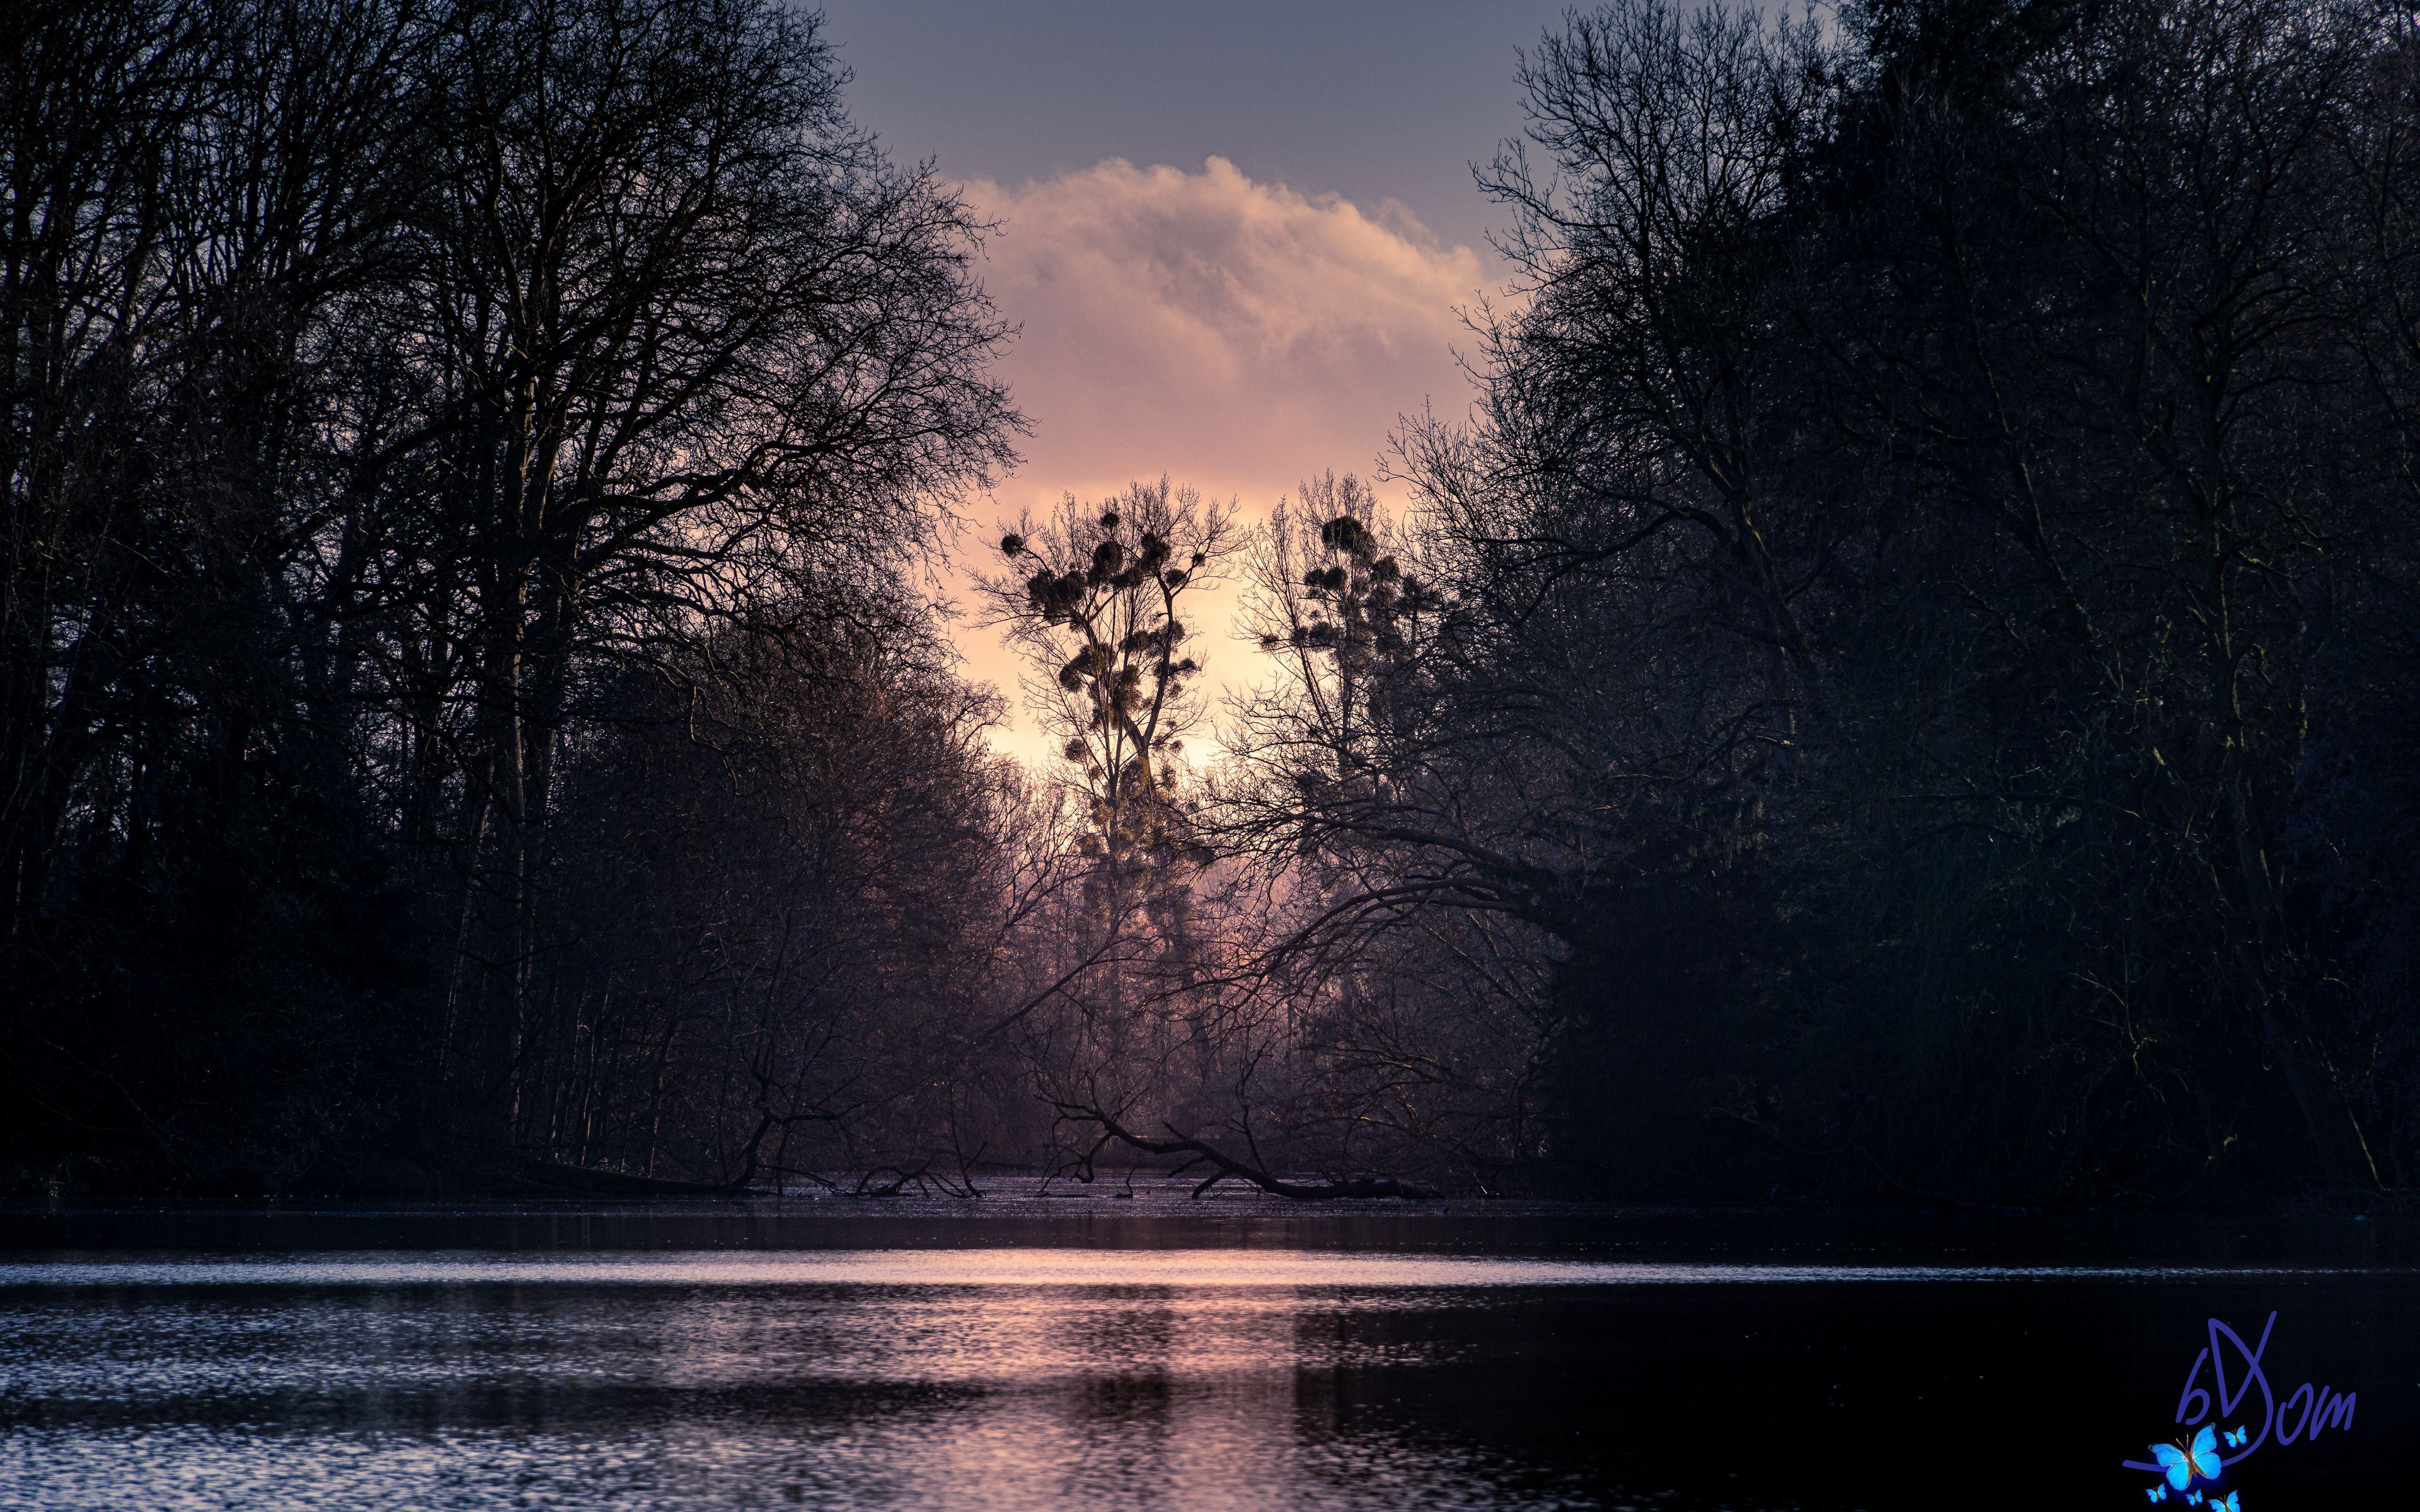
1234, 335
1214, 328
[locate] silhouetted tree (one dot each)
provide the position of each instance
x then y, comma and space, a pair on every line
394, 390
1894, 603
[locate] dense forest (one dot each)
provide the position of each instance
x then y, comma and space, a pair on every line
1902, 687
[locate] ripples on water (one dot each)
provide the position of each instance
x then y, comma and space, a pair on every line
1179, 1379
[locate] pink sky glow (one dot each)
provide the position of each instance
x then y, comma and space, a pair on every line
1234, 335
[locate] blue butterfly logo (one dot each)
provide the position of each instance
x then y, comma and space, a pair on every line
2235, 1437
2193, 1497
2157, 1494
2181, 1465
2225, 1504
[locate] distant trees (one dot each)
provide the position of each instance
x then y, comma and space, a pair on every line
1093, 596
1100, 588
1895, 611
1170, 1029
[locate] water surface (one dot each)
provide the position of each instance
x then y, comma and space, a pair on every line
1258, 1359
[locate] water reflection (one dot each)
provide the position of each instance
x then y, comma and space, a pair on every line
1180, 1380
1016, 1267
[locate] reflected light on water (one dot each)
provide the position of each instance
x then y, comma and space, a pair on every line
1010, 1378
1004, 1380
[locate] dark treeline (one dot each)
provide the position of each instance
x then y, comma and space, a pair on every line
1903, 686
461, 690
1917, 650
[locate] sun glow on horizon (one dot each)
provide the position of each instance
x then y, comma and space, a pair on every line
1232, 336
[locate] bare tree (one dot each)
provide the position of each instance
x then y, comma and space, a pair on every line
390, 384
1885, 596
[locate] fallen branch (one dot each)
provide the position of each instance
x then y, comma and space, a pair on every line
1223, 1166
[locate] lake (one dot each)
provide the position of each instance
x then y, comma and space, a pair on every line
1027, 1351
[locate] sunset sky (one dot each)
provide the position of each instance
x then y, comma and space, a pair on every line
1235, 235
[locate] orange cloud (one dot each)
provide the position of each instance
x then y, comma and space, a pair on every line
1234, 335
